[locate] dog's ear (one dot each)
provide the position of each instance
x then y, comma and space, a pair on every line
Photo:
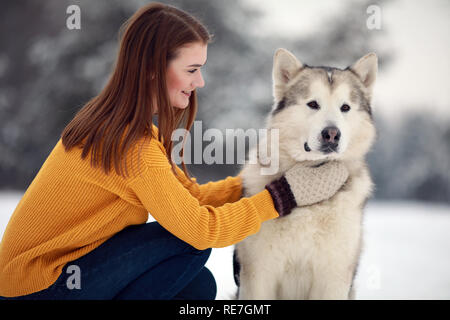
366, 68
285, 67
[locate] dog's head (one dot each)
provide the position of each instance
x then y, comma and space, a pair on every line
323, 112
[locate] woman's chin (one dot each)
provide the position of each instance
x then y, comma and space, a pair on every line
181, 106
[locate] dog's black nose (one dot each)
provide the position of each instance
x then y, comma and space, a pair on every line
331, 135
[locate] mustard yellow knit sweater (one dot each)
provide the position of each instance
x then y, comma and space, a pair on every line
71, 208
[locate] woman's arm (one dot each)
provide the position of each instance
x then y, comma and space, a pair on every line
214, 193
178, 211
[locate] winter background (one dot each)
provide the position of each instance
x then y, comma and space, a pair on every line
48, 72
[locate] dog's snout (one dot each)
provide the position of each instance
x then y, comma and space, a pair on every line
331, 135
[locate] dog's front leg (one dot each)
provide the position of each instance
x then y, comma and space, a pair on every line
257, 285
333, 289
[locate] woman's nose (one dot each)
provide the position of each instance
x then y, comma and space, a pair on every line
199, 82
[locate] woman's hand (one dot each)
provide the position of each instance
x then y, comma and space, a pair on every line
304, 185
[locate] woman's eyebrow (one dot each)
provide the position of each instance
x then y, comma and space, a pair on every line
197, 65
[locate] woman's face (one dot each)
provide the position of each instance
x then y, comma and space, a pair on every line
184, 75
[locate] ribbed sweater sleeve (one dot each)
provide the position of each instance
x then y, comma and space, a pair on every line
182, 214
214, 193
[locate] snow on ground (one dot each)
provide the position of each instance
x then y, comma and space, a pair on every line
406, 253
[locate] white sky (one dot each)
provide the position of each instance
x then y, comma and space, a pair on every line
417, 31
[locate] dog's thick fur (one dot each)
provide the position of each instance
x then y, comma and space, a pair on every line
312, 253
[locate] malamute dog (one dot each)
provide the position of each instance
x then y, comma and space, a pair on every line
322, 113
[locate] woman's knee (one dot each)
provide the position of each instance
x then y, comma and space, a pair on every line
202, 256
202, 287
210, 284
206, 253
154, 232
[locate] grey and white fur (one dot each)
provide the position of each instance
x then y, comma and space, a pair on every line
322, 114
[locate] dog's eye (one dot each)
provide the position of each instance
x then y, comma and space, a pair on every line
313, 104
345, 107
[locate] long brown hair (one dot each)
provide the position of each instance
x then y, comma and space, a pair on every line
149, 40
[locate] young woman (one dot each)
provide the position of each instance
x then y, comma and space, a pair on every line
80, 230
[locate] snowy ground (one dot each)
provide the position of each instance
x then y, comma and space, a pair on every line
406, 254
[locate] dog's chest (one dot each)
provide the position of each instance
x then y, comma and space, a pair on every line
328, 225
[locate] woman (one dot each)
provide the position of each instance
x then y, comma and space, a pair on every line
80, 231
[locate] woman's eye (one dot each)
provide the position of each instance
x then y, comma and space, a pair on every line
345, 107
192, 71
313, 104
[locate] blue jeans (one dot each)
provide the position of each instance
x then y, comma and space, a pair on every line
140, 262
